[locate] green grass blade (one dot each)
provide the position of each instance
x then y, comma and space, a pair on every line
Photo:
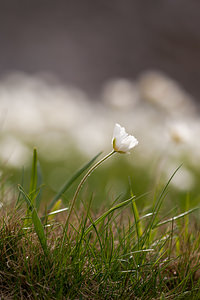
176, 217
33, 184
39, 184
157, 207
187, 205
137, 222
40, 231
70, 181
36, 220
19, 200
136, 217
107, 213
163, 194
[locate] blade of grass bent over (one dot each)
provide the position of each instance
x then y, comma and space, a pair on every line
70, 181
36, 221
176, 217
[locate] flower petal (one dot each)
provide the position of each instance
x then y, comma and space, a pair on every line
122, 142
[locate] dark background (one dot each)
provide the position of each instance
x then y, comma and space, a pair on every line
86, 42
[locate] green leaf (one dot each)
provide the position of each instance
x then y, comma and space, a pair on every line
36, 220
70, 181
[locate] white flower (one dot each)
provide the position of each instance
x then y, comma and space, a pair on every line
122, 142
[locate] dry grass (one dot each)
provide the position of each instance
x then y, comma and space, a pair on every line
26, 273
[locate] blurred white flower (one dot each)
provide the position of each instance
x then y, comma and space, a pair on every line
179, 132
13, 152
40, 112
122, 142
120, 94
165, 93
184, 179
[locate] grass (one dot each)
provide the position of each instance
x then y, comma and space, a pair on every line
121, 251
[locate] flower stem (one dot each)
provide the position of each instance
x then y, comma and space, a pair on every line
80, 186
83, 181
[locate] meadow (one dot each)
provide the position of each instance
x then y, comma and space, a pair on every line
126, 247
79, 223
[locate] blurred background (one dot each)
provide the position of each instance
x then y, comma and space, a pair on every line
69, 70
